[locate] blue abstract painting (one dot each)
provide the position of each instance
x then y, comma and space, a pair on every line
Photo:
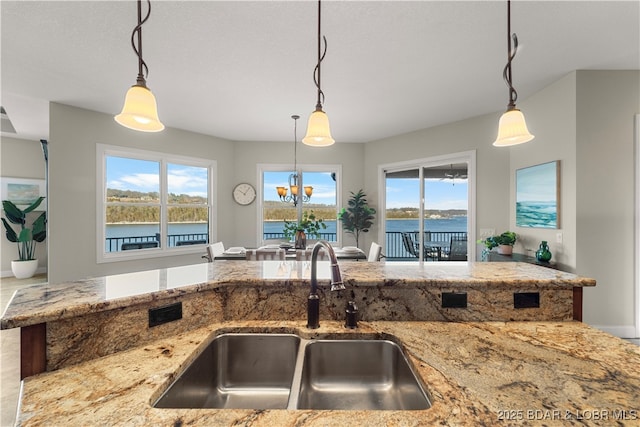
537, 196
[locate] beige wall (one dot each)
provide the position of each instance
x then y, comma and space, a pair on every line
492, 164
21, 158
74, 133
249, 154
551, 117
606, 104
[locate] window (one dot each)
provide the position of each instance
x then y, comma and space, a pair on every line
324, 200
152, 204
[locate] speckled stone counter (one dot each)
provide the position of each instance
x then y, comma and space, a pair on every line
476, 373
96, 317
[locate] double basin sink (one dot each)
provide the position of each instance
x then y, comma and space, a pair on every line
284, 371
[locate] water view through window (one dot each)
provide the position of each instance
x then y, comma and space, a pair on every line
135, 208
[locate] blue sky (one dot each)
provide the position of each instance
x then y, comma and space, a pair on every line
143, 176
445, 194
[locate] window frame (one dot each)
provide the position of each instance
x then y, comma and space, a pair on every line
302, 168
102, 152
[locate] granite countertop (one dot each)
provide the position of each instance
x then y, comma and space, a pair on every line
49, 302
476, 373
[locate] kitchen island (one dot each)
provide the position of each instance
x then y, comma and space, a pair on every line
68, 323
490, 341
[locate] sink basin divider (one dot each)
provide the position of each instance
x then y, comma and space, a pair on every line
297, 375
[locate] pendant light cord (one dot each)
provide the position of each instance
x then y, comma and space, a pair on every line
137, 31
321, 54
511, 53
295, 143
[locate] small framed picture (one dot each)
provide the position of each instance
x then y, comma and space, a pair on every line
22, 192
538, 196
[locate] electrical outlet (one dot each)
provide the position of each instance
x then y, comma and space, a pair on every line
559, 237
487, 232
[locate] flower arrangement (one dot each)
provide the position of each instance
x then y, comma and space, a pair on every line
309, 224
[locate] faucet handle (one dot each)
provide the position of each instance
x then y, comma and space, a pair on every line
351, 320
337, 286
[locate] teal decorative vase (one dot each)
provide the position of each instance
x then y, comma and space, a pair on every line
543, 253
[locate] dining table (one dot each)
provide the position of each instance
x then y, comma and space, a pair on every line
350, 253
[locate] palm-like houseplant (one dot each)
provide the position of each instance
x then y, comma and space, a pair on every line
27, 237
358, 216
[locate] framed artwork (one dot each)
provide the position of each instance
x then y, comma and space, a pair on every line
22, 192
538, 196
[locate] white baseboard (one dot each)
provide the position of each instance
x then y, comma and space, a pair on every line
619, 331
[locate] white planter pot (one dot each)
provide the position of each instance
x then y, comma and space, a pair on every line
505, 249
24, 269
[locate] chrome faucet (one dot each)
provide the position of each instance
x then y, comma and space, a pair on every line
313, 302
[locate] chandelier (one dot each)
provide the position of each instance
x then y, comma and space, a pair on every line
293, 178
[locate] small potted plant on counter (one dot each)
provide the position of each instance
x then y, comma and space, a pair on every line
504, 242
26, 264
298, 230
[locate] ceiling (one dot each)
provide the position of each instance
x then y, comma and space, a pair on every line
239, 69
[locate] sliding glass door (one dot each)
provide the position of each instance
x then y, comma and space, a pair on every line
428, 209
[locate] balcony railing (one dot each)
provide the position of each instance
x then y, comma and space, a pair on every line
114, 244
394, 246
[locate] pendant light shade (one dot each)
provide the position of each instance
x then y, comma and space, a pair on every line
140, 111
318, 130
512, 129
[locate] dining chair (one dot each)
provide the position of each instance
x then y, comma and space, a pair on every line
262, 254
305, 254
214, 250
139, 245
458, 250
409, 244
375, 252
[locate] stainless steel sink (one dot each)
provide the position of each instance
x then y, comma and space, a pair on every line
283, 371
243, 371
358, 374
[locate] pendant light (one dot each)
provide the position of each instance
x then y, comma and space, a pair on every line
318, 131
140, 111
293, 178
512, 128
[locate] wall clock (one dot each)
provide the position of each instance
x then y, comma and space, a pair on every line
244, 194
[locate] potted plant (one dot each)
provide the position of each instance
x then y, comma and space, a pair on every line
358, 216
26, 264
298, 230
504, 242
